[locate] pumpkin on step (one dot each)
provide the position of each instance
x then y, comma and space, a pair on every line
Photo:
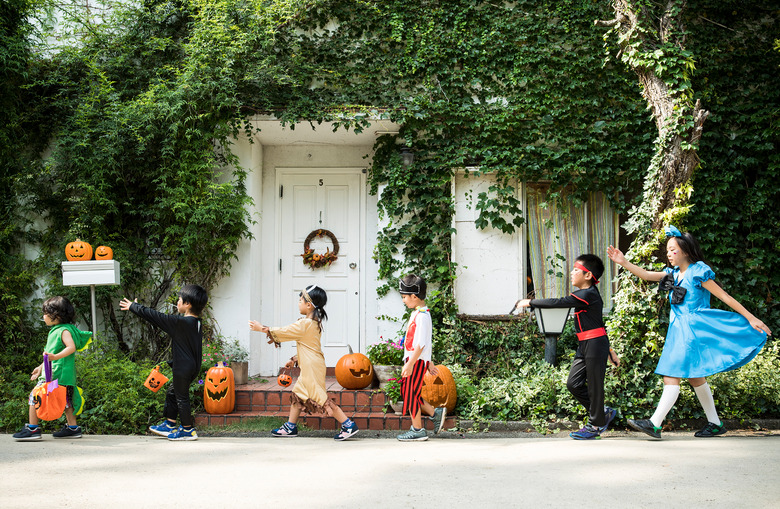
354, 371
440, 390
78, 251
219, 390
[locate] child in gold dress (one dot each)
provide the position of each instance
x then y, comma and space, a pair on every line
309, 392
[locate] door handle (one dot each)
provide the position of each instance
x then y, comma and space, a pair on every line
353, 265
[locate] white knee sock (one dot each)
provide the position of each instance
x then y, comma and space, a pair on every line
668, 399
704, 394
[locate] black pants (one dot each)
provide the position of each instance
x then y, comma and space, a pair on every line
177, 399
586, 377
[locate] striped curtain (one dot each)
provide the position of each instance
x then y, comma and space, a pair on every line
557, 235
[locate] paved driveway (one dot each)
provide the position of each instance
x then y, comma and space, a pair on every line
620, 470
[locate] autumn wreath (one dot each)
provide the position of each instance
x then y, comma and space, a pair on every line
315, 260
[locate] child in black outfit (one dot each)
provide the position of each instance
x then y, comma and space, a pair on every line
586, 376
187, 345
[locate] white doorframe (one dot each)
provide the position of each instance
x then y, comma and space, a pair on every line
362, 257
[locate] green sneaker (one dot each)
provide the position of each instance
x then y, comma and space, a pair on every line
439, 415
711, 430
645, 426
413, 436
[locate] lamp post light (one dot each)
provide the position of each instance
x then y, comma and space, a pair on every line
551, 322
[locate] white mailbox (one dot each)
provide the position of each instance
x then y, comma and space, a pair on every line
94, 272
91, 273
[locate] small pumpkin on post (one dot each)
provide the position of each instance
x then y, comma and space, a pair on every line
104, 253
219, 391
354, 371
78, 251
440, 390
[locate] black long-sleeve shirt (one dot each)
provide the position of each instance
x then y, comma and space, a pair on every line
587, 306
186, 337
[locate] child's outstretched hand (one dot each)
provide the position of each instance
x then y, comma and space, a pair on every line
760, 326
257, 326
614, 358
35, 373
433, 370
124, 304
616, 255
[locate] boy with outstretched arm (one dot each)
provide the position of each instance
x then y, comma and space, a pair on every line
586, 376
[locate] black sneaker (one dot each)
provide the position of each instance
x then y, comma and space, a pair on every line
28, 434
66, 432
711, 430
645, 426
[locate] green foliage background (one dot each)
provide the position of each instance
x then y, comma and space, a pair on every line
123, 139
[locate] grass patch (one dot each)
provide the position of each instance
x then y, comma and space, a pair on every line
246, 427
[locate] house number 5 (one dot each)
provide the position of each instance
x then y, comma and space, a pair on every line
321, 182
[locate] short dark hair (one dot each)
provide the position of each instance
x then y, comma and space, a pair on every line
59, 308
195, 296
413, 280
593, 263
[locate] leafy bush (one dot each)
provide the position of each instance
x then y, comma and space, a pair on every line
385, 353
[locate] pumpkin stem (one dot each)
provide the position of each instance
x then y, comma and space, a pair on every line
350, 349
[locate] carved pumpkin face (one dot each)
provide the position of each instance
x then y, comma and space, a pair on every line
354, 371
104, 253
78, 251
440, 390
284, 380
155, 380
37, 401
219, 391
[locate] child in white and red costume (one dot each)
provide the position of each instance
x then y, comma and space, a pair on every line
417, 346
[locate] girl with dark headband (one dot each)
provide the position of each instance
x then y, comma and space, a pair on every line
309, 393
700, 341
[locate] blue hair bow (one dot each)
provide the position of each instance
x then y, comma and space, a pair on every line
671, 231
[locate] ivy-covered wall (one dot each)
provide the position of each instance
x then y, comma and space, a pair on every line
113, 139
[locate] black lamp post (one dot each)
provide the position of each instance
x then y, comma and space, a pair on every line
551, 322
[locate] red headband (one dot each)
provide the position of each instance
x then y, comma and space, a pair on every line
578, 265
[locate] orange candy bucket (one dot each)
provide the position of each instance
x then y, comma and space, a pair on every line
155, 380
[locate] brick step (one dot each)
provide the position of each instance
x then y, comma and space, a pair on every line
365, 420
261, 397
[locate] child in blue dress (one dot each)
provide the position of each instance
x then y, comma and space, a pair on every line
700, 341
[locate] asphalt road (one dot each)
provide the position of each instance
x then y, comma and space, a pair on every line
620, 470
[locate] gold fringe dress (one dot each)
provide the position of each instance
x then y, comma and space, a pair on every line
310, 389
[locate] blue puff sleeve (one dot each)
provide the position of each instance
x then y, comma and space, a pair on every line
701, 273
669, 270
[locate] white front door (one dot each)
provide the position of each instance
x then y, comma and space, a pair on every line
308, 200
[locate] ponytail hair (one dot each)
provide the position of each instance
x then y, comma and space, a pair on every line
317, 297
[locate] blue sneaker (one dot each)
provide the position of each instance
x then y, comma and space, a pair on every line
287, 430
347, 431
183, 434
610, 414
163, 429
587, 432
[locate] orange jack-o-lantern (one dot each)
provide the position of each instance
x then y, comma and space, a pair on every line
219, 391
78, 251
284, 379
104, 253
440, 390
155, 380
354, 371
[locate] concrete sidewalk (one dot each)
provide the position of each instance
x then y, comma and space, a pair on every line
622, 469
